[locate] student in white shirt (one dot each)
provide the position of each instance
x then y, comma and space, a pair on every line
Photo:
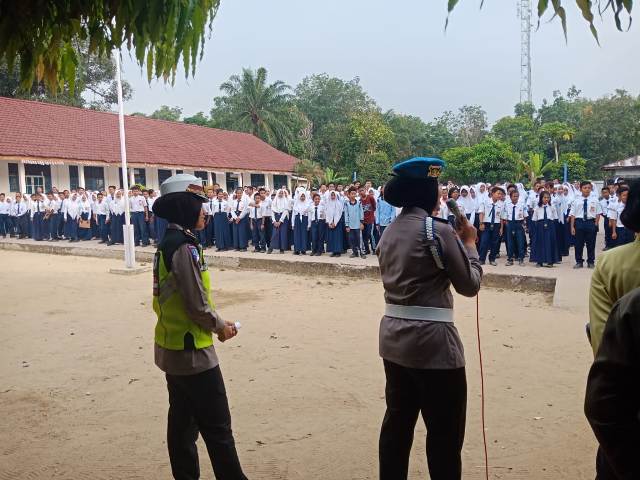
544, 250
72, 215
239, 216
84, 232
300, 224
139, 214
585, 216
317, 225
116, 218
620, 235
256, 224
513, 218
5, 208
222, 233
266, 218
38, 210
280, 221
101, 212
490, 213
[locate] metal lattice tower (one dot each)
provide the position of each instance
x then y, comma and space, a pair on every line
524, 11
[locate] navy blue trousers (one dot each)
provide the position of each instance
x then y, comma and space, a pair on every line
354, 240
585, 235
258, 234
367, 238
318, 235
490, 241
103, 228
140, 233
516, 240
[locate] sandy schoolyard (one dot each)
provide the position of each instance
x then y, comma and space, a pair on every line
81, 398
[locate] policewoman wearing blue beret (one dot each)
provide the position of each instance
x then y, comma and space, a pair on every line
184, 337
420, 258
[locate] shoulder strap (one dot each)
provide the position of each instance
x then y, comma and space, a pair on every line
433, 242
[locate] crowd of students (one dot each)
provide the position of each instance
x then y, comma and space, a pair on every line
541, 223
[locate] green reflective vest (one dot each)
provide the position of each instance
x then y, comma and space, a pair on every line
173, 322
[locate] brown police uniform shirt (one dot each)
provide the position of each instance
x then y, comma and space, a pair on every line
411, 277
189, 362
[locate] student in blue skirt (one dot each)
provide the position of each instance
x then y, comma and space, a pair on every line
543, 247
300, 225
280, 222
221, 222
333, 212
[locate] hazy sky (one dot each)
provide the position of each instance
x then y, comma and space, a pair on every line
399, 50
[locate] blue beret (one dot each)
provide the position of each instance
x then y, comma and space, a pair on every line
419, 167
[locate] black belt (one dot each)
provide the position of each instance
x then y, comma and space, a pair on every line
515, 221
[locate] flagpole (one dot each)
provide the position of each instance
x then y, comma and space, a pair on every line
129, 249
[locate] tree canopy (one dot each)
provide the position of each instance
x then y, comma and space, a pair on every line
41, 36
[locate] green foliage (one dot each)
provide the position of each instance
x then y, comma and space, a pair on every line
534, 167
41, 36
587, 8
555, 134
519, 132
309, 170
249, 104
490, 160
198, 119
374, 166
331, 176
95, 86
576, 167
166, 112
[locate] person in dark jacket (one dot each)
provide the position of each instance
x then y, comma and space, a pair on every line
612, 403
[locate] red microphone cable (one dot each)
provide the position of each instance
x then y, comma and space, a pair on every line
484, 433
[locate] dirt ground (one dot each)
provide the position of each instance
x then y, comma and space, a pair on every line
81, 397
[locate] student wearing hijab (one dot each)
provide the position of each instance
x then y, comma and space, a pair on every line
280, 222
333, 212
420, 258
543, 247
620, 235
300, 224
116, 218
221, 222
184, 349
73, 216
84, 221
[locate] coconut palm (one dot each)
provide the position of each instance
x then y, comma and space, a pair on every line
534, 167
309, 170
257, 107
329, 175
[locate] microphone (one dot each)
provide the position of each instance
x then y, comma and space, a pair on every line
452, 205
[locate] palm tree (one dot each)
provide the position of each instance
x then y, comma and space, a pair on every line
556, 133
309, 170
257, 107
329, 175
534, 167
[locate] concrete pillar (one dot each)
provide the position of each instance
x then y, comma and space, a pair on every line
209, 179
22, 178
132, 177
81, 176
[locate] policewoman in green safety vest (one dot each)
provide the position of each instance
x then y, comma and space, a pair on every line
184, 337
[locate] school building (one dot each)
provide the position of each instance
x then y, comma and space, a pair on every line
628, 168
47, 145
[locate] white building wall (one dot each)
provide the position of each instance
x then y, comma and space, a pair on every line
4, 177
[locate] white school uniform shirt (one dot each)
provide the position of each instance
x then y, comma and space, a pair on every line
85, 207
208, 206
239, 205
604, 205
19, 208
266, 207
312, 213
486, 208
220, 206
520, 211
5, 208
256, 212
593, 208
614, 213
116, 206
137, 204
150, 202
101, 208
538, 213
37, 207
300, 209
558, 202
73, 209
532, 200
333, 211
